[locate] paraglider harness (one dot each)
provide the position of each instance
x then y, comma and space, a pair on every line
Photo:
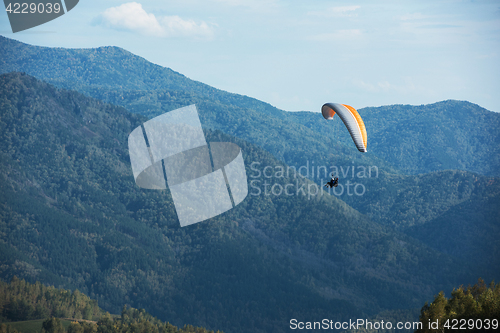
334, 182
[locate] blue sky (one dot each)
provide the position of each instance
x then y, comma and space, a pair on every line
298, 55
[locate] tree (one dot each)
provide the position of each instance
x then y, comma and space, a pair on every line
75, 327
7, 329
53, 325
478, 302
106, 325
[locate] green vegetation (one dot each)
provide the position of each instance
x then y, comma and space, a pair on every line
61, 311
29, 326
76, 217
21, 300
9, 329
412, 139
440, 136
41, 325
473, 308
72, 216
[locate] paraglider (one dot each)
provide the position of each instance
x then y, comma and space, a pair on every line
334, 182
351, 119
354, 124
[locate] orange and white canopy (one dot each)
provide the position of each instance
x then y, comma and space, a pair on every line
352, 120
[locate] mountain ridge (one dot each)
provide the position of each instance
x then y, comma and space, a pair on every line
142, 87
87, 204
368, 253
77, 66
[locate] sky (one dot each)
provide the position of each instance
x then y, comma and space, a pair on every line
298, 55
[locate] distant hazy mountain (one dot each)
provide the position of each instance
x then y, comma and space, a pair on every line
419, 139
108, 68
73, 216
412, 139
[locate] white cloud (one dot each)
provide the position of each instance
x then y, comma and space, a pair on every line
340, 11
131, 16
176, 26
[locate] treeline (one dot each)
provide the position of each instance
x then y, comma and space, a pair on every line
133, 320
475, 308
20, 301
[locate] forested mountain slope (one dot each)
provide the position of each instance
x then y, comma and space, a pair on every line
413, 139
72, 215
21, 303
455, 212
109, 68
425, 138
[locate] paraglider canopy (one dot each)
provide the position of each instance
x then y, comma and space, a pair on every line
352, 121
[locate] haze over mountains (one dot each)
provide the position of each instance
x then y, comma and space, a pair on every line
72, 215
399, 134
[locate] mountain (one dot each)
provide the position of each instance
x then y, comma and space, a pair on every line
73, 216
418, 215
88, 69
404, 201
116, 76
409, 139
454, 212
426, 138
22, 303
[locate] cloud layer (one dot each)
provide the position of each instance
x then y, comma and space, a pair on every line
131, 16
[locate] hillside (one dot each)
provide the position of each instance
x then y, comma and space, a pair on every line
108, 68
72, 215
477, 306
59, 310
451, 135
426, 138
454, 212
